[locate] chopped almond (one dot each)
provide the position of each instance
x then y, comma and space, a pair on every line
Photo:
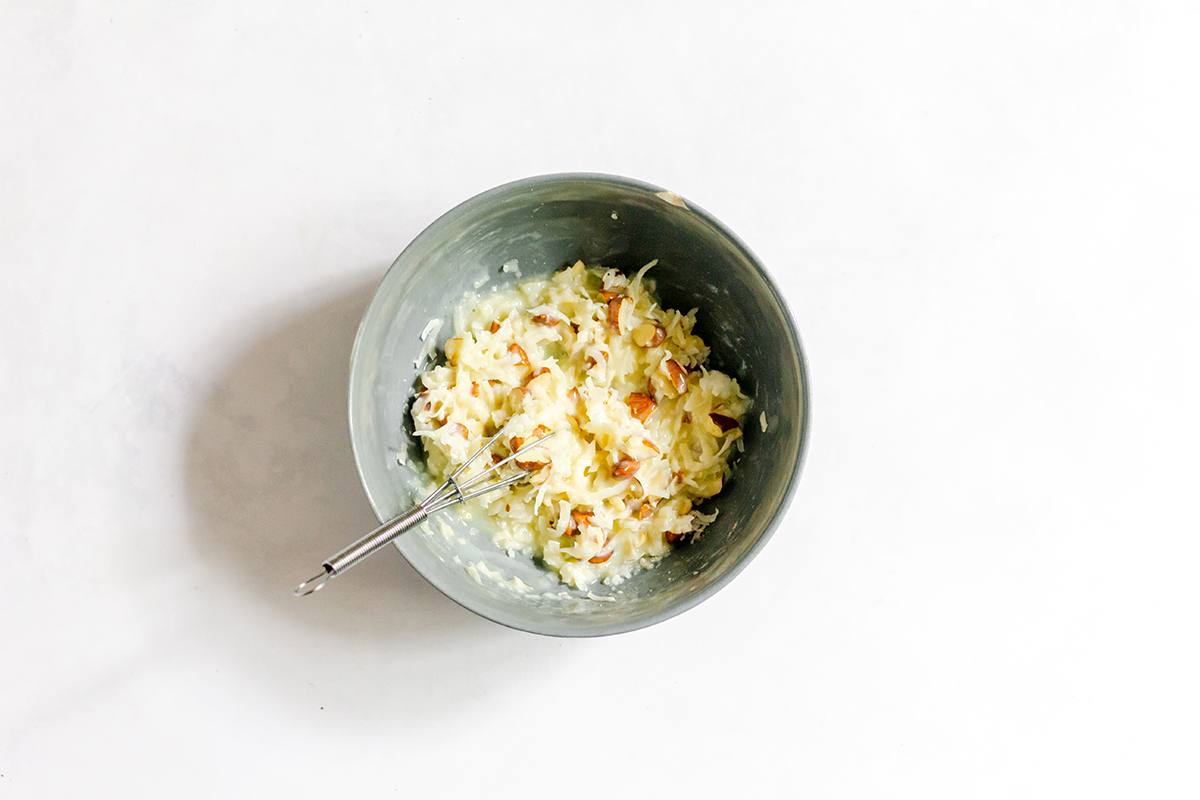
646, 511
602, 556
545, 320
649, 335
474, 389
519, 352
459, 428
723, 422
609, 296
532, 464
651, 445
495, 326
677, 374
540, 371
618, 314
577, 520
540, 431
626, 467
673, 537
641, 406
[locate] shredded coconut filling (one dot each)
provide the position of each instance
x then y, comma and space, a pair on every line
642, 430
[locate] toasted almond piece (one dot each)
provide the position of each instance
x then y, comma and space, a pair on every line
651, 445
459, 428
453, 348
673, 537
618, 315
531, 464
602, 556
497, 458
474, 388
593, 361
641, 406
578, 519
519, 352
723, 422
646, 511
609, 296
677, 374
517, 442
545, 320
649, 335
495, 326
540, 371
573, 395
626, 467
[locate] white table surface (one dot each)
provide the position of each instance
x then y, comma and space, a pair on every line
982, 214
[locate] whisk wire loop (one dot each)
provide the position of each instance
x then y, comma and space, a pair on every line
451, 492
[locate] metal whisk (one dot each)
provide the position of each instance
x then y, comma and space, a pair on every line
446, 495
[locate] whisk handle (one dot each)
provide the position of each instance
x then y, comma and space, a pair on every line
380, 537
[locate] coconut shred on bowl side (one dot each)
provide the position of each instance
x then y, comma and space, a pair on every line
642, 430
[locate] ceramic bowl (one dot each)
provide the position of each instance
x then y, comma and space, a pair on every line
544, 224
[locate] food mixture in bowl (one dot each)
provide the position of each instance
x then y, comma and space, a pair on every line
642, 430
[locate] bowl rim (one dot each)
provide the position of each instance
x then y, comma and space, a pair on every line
608, 629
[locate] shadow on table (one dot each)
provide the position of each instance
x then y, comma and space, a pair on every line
273, 491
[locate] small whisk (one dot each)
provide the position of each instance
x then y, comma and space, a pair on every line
446, 495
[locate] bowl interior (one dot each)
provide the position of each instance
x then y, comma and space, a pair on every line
545, 224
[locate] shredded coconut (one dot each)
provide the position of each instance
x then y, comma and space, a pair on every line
642, 430
433, 326
429, 337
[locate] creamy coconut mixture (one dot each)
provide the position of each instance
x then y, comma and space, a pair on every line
642, 430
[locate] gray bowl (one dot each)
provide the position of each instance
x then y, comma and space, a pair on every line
546, 223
